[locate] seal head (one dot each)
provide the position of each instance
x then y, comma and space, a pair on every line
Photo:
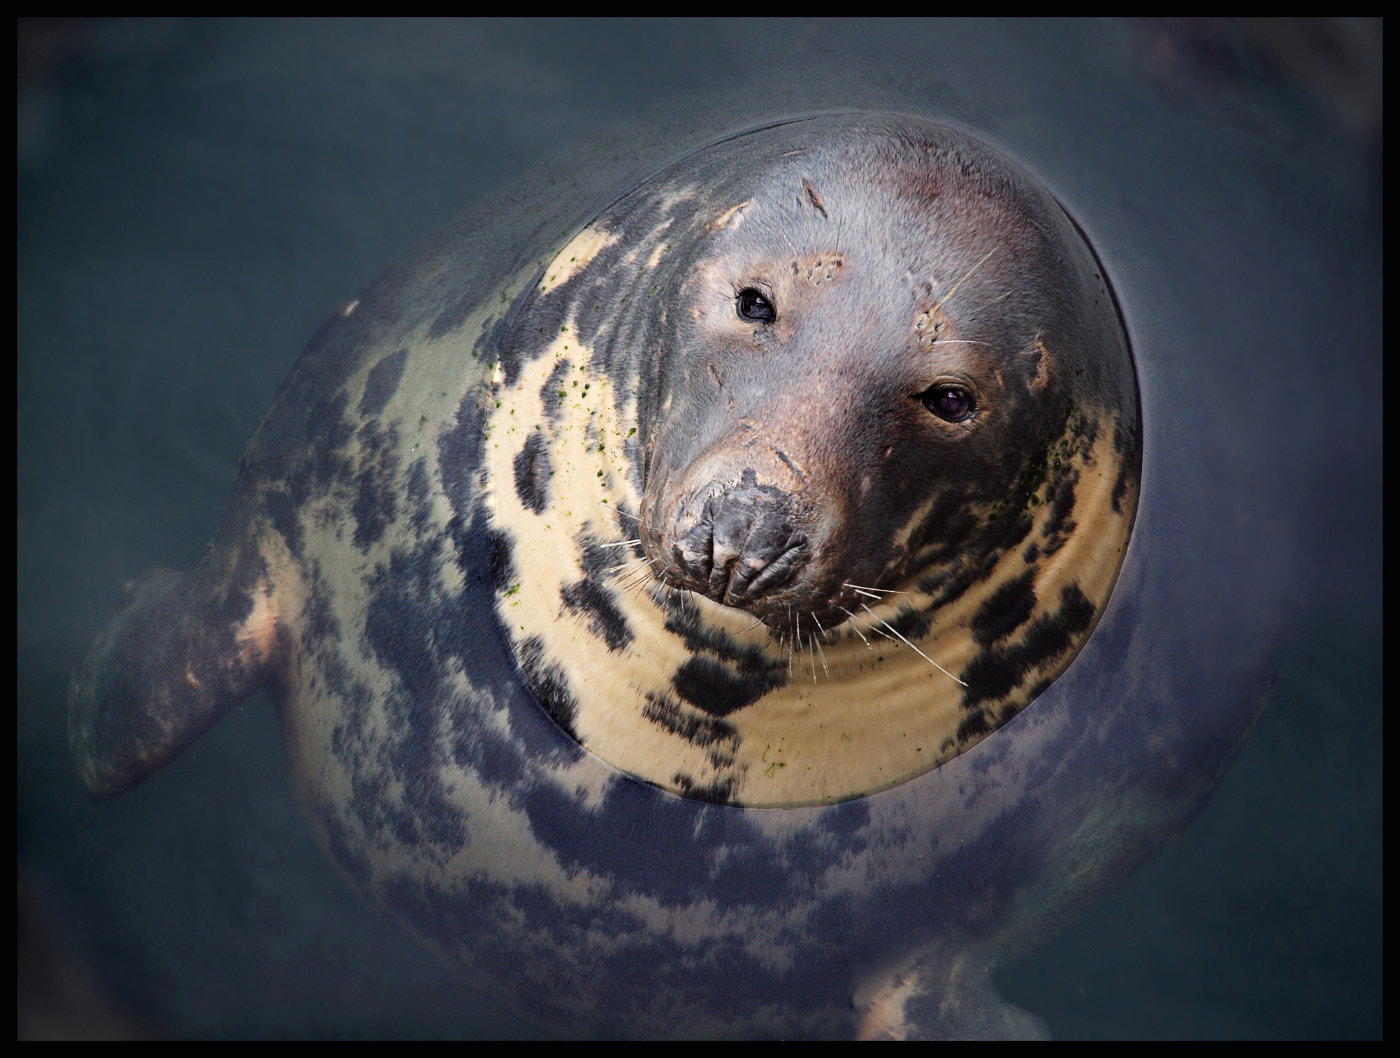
820, 402
862, 381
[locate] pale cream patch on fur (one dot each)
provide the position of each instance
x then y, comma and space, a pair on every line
883, 1007
1042, 372
576, 256
734, 215
653, 245
257, 635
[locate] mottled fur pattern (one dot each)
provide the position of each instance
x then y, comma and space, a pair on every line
979, 562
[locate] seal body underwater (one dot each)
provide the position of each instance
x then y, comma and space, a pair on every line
654, 631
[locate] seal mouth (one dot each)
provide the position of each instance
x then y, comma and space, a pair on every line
744, 547
748, 548
737, 568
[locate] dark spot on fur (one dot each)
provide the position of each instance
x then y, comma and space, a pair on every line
502, 558
1009, 607
376, 813
328, 672
997, 671
669, 714
469, 629
951, 584
382, 383
553, 392
411, 627
1061, 525
416, 760
283, 514
605, 620
1125, 443
533, 470
949, 521
717, 689
974, 726
848, 819
459, 452
418, 490
490, 349
327, 433
596, 560
709, 854
343, 849
911, 623
719, 792
453, 317
1006, 532
319, 625
399, 620
549, 684
683, 619
376, 496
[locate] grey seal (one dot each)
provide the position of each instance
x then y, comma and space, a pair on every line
642, 625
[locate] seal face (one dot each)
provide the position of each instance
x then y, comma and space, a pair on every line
812, 460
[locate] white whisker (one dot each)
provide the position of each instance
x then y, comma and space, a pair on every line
868, 645
825, 669
964, 279
915, 649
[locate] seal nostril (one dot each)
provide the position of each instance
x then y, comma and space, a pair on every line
782, 568
740, 579
693, 553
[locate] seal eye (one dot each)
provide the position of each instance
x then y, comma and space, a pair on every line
949, 401
752, 305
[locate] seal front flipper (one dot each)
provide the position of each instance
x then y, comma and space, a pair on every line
182, 652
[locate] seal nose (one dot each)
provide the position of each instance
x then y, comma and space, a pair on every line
745, 543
